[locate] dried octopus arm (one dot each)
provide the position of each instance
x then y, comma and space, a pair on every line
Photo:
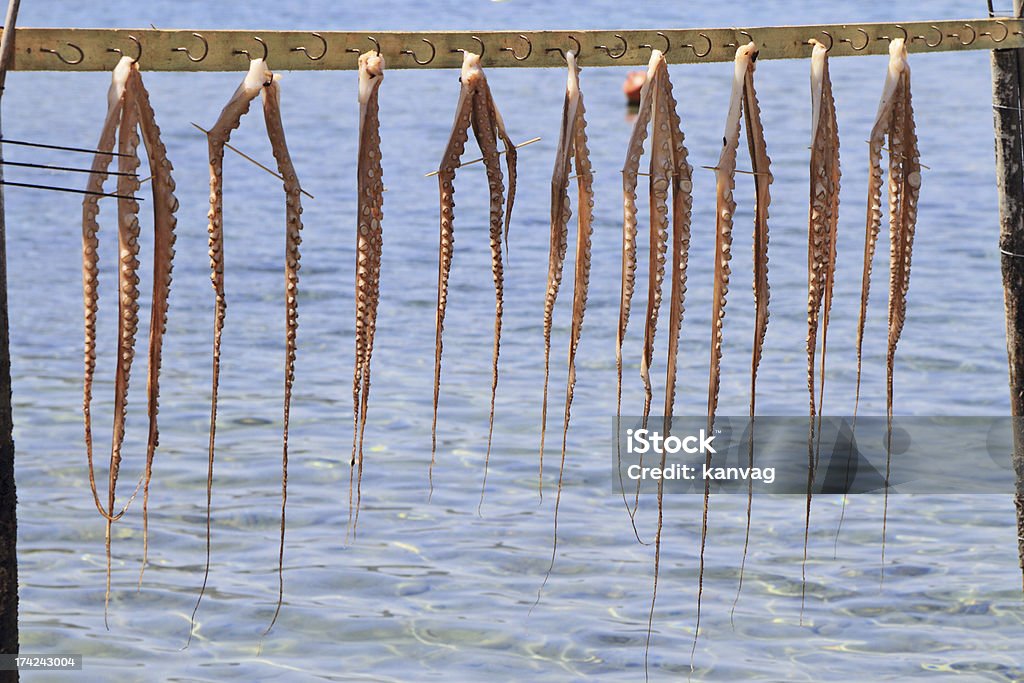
630, 171
164, 207
293, 238
660, 180
229, 119
128, 294
560, 214
485, 131
682, 201
90, 255
879, 130
368, 249
511, 159
446, 189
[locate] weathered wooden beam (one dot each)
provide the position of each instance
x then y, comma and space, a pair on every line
1007, 71
71, 49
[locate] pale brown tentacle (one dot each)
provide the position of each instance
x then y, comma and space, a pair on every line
128, 292
560, 214
572, 145
293, 238
164, 207
229, 119
90, 256
368, 253
485, 131
682, 187
630, 171
511, 159
821, 257
446, 187
725, 183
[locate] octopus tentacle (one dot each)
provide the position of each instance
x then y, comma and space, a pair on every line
511, 159
821, 253
164, 207
293, 238
572, 146
725, 183
485, 131
446, 187
128, 292
680, 179
229, 119
368, 251
630, 171
90, 255
560, 215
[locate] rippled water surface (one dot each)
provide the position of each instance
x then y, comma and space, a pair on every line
431, 589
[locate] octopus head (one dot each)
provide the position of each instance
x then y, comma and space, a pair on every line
371, 73
471, 71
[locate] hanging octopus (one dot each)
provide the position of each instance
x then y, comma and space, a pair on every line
128, 110
572, 146
476, 109
743, 102
669, 172
823, 222
894, 123
368, 254
258, 80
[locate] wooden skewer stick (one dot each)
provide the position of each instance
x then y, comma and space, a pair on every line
715, 168
477, 161
250, 159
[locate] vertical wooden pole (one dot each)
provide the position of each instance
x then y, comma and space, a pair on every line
1007, 71
8, 493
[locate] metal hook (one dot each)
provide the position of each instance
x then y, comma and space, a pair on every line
701, 54
433, 52
304, 51
81, 55
742, 33
529, 49
607, 51
206, 49
259, 40
830, 41
478, 41
668, 43
906, 36
577, 51
974, 36
925, 39
867, 39
138, 49
376, 45
1006, 33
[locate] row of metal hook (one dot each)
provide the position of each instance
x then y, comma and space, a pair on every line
523, 56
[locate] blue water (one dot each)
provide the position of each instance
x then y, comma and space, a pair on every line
431, 590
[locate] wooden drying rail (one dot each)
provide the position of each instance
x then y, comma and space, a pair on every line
188, 50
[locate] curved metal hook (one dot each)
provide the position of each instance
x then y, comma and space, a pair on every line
138, 49
206, 49
906, 36
939, 31
81, 55
376, 45
577, 51
303, 50
1006, 33
867, 39
974, 36
701, 54
607, 51
529, 49
433, 53
259, 40
742, 33
478, 41
668, 43
830, 41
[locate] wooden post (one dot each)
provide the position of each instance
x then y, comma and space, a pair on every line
1007, 71
8, 492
